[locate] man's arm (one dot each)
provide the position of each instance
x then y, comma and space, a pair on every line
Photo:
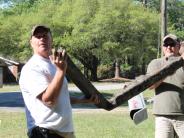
93, 99
154, 86
152, 68
49, 96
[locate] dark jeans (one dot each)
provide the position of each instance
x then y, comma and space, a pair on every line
39, 132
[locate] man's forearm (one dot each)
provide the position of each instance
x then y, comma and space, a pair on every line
75, 100
154, 86
49, 96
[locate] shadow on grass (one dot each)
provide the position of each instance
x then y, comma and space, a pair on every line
15, 99
11, 99
91, 106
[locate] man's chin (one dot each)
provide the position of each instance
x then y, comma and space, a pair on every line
44, 48
169, 54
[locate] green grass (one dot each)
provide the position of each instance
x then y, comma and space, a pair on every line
12, 125
103, 124
10, 88
148, 93
111, 125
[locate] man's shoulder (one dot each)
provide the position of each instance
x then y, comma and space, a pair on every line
156, 61
30, 65
154, 65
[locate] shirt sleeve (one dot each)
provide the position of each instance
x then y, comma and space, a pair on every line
152, 67
35, 81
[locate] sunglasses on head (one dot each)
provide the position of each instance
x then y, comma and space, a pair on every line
171, 44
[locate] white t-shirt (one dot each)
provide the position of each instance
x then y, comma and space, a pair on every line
35, 78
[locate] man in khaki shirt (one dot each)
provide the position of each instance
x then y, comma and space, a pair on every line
168, 106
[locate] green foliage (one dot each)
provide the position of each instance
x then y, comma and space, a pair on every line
93, 31
175, 14
176, 18
105, 71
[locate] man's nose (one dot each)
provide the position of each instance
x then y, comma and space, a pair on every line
42, 38
169, 46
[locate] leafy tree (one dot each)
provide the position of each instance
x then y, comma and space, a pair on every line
107, 36
175, 14
176, 18
95, 32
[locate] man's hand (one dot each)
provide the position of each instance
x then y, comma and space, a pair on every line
94, 99
50, 95
60, 59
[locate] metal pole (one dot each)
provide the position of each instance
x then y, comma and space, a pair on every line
163, 21
145, 3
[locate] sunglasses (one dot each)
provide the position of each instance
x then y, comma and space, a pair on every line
171, 44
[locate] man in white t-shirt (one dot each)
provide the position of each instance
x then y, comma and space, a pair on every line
45, 90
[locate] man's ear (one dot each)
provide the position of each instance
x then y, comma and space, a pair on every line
30, 42
181, 51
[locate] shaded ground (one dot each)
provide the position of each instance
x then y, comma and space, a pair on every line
13, 101
120, 79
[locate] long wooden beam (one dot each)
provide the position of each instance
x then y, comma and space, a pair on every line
85, 85
139, 85
136, 87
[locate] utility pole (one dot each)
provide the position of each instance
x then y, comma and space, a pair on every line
144, 3
163, 21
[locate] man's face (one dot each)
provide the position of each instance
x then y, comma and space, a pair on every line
171, 48
41, 43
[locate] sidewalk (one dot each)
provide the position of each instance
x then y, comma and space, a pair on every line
100, 87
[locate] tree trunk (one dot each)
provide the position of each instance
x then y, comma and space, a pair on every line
86, 72
117, 69
94, 69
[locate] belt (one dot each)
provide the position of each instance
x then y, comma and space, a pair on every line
61, 134
45, 130
48, 132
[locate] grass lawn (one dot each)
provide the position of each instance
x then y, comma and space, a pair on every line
10, 88
105, 124
88, 124
12, 125
111, 125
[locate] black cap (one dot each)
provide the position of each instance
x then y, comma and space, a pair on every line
171, 37
39, 28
